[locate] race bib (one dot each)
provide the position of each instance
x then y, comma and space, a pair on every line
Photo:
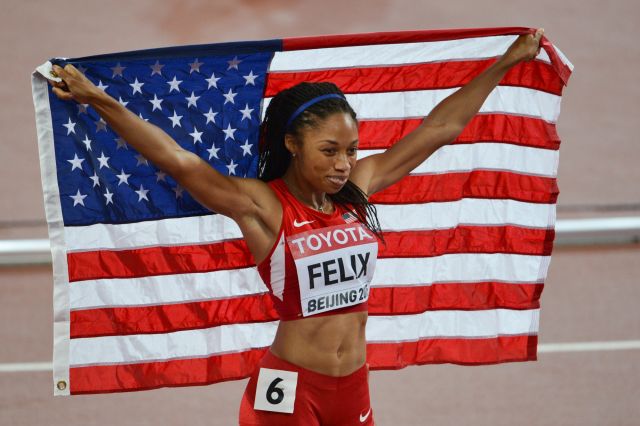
276, 390
334, 266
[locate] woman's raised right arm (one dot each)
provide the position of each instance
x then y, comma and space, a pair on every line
240, 199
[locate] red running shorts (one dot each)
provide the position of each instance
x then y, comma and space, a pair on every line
316, 399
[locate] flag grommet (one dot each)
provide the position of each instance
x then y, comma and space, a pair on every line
61, 385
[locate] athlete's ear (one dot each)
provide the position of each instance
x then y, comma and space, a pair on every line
291, 143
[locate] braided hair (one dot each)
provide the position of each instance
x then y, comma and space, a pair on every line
275, 157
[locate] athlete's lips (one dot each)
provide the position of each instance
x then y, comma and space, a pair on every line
338, 180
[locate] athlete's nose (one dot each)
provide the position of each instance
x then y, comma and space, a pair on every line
342, 163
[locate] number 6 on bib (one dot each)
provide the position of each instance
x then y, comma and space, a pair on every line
276, 390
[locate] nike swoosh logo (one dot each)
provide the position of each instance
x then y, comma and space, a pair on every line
365, 417
299, 224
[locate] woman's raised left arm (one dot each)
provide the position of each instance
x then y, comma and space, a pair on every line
445, 122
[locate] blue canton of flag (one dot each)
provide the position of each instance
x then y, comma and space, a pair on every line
209, 105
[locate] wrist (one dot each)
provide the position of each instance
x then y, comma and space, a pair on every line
97, 97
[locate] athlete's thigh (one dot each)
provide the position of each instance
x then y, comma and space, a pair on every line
304, 412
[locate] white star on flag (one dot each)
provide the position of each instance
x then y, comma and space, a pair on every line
160, 176
196, 135
95, 179
246, 112
211, 116
142, 193
101, 86
78, 198
156, 103
76, 163
87, 142
156, 68
229, 97
137, 86
82, 108
250, 78
117, 70
123, 178
213, 152
246, 148
71, 127
174, 84
232, 167
101, 125
178, 190
195, 66
141, 160
121, 143
213, 81
109, 196
192, 100
175, 120
122, 102
103, 160
233, 63
229, 132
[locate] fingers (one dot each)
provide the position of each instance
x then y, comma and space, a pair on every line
538, 34
62, 94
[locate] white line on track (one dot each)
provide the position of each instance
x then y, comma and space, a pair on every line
616, 345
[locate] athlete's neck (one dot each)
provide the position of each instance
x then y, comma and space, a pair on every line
305, 193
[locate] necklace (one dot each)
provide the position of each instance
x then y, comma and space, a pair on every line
295, 192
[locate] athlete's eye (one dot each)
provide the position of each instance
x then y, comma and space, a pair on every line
353, 151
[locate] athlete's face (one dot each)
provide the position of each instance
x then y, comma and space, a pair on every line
327, 153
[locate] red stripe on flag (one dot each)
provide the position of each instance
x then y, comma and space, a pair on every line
259, 308
171, 317
456, 296
393, 356
536, 75
524, 131
318, 42
474, 184
153, 375
468, 239
203, 371
230, 254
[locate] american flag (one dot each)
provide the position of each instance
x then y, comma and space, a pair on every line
153, 290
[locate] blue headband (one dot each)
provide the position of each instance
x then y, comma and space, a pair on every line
307, 104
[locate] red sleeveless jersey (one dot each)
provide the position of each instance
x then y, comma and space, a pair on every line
320, 264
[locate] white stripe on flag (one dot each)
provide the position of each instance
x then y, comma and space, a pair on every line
166, 346
485, 156
393, 54
465, 267
468, 211
452, 324
152, 233
164, 289
419, 103
240, 337
184, 288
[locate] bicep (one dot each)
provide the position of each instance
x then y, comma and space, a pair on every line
379, 171
227, 195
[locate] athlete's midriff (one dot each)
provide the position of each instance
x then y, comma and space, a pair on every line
334, 345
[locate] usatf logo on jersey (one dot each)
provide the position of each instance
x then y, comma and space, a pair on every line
334, 266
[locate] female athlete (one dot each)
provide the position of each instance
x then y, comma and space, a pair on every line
309, 227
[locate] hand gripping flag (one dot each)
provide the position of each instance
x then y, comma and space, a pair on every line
153, 290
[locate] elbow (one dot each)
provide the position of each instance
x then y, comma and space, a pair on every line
179, 163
